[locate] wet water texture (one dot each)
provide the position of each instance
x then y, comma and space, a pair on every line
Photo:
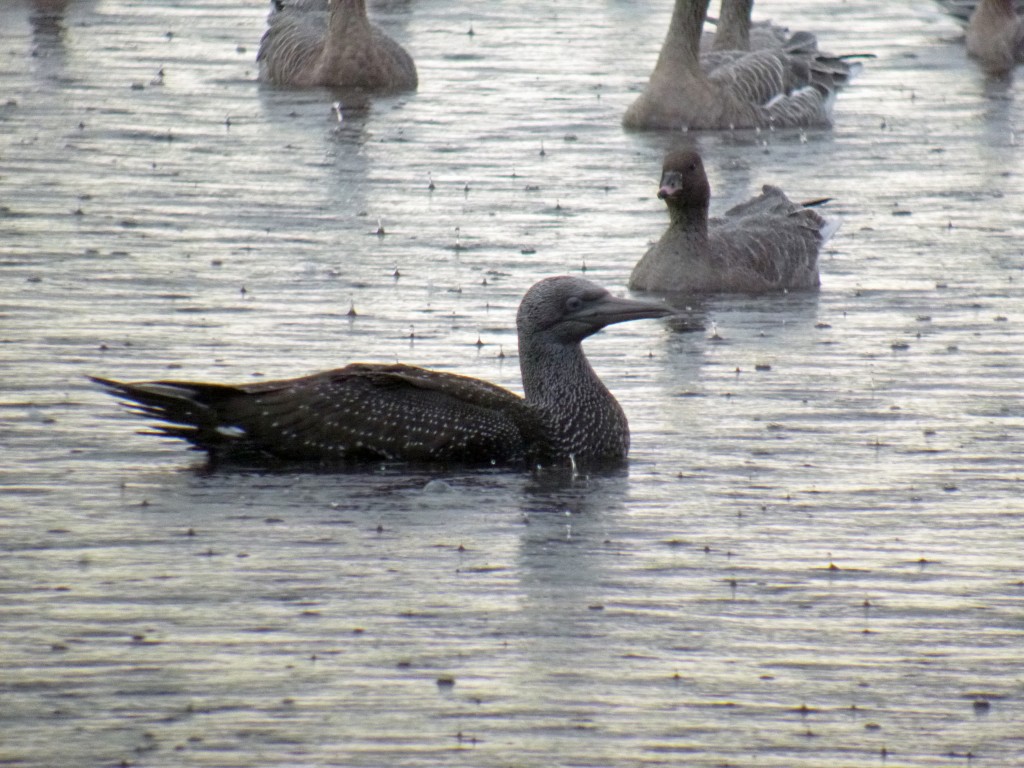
813, 558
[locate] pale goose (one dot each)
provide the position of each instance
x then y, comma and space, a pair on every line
995, 36
763, 245
761, 89
306, 47
736, 34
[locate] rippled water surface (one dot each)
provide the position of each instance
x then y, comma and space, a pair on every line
814, 557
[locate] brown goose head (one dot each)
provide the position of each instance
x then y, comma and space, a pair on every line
684, 184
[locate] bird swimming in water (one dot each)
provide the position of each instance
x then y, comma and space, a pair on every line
306, 46
395, 412
736, 36
766, 244
995, 36
994, 31
764, 88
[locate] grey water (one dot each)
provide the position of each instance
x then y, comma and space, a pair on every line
813, 558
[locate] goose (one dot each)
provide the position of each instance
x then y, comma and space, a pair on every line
763, 245
961, 10
995, 36
735, 31
306, 47
737, 34
396, 412
764, 88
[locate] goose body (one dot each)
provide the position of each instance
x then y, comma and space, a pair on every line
764, 245
735, 31
305, 47
724, 89
395, 412
737, 35
995, 36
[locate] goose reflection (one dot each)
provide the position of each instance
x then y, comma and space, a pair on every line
47, 20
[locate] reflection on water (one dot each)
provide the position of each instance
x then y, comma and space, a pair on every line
812, 559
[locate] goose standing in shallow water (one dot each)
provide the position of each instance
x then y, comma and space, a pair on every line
766, 244
339, 47
764, 88
374, 412
995, 36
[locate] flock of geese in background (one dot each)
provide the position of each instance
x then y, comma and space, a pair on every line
742, 75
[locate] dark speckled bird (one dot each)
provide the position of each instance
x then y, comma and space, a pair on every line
395, 412
768, 243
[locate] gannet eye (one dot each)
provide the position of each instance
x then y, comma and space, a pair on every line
574, 304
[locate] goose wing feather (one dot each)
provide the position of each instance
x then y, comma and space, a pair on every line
771, 88
769, 241
292, 44
759, 77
